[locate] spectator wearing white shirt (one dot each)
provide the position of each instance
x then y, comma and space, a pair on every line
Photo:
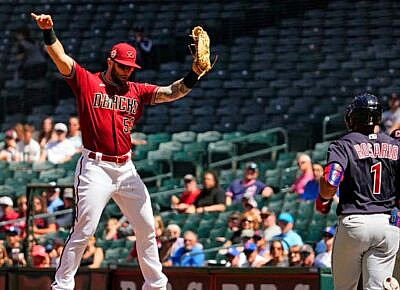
60, 150
28, 149
74, 134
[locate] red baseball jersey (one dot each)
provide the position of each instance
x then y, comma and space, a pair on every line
108, 111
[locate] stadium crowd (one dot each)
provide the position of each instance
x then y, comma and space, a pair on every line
258, 236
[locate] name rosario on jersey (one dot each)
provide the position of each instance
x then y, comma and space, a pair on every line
377, 150
116, 102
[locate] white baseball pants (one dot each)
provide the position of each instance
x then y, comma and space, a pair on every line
364, 244
97, 181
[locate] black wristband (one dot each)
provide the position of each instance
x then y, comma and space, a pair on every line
49, 36
190, 79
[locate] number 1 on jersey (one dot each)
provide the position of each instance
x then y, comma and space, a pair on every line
376, 169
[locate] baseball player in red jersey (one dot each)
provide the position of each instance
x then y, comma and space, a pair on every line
109, 106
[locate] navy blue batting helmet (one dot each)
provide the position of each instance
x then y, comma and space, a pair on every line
365, 110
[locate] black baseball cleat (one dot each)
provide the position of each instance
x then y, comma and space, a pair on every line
391, 283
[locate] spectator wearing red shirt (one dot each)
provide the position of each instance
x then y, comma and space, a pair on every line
188, 197
7, 212
305, 166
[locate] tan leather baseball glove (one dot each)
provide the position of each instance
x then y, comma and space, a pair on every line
200, 49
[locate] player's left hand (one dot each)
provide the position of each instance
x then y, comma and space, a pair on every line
43, 21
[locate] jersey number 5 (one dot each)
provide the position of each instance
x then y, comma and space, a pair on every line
128, 123
376, 169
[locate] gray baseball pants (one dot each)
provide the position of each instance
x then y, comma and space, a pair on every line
364, 244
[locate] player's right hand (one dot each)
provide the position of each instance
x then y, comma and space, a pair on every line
43, 21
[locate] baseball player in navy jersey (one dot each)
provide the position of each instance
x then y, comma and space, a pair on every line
365, 167
109, 106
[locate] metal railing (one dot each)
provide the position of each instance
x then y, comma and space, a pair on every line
273, 149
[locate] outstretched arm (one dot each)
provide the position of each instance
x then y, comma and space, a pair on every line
55, 49
173, 92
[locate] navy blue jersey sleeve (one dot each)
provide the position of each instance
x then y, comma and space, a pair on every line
337, 154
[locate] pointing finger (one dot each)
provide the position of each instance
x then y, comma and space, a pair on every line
34, 16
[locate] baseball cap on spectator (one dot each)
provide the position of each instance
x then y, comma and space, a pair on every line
250, 201
258, 235
11, 134
286, 217
250, 247
125, 54
306, 248
38, 250
265, 212
188, 178
6, 200
252, 166
13, 231
68, 193
232, 251
60, 127
247, 234
329, 231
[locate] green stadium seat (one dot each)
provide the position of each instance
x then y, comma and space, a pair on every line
158, 138
40, 166
173, 146
209, 136
184, 137
52, 174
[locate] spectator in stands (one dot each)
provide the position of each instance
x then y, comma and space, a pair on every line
65, 220
143, 47
191, 254
249, 184
9, 153
7, 212
92, 256
74, 133
248, 221
288, 236
211, 197
46, 133
55, 253
305, 166
311, 190
324, 259
28, 149
19, 129
54, 202
32, 64
391, 117
252, 257
40, 258
22, 204
111, 229
261, 243
233, 226
294, 256
232, 257
5, 261
171, 241
188, 197
250, 204
125, 230
268, 224
307, 256
278, 256
60, 150
14, 247
159, 224
42, 225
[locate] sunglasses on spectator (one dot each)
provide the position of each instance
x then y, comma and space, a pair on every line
276, 248
301, 162
247, 220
